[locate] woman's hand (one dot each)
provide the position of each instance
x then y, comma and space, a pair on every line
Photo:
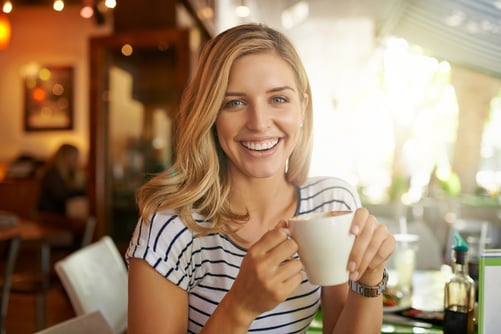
373, 246
268, 274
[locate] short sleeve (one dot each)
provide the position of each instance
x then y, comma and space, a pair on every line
166, 245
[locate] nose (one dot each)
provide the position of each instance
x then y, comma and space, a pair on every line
258, 117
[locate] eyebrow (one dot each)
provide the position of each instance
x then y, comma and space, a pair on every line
273, 90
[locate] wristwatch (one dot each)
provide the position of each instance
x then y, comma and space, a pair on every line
370, 291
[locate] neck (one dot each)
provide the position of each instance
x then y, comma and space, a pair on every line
260, 196
268, 201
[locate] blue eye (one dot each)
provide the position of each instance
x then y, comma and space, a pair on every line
279, 99
232, 104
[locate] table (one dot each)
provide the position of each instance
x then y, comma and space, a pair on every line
31, 231
428, 294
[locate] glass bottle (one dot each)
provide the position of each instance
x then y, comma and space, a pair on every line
459, 294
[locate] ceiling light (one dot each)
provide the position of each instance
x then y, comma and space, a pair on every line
110, 3
127, 50
58, 5
7, 7
86, 12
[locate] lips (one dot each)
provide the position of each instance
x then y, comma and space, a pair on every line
260, 145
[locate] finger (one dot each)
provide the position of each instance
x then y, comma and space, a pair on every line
378, 249
291, 274
288, 269
388, 247
359, 253
269, 240
283, 252
286, 278
359, 219
362, 240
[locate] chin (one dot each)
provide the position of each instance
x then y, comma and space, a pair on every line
267, 174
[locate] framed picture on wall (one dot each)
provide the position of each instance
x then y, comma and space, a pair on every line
48, 102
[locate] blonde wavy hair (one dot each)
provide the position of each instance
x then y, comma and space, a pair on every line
198, 180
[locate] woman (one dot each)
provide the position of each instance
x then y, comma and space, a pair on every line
61, 183
210, 253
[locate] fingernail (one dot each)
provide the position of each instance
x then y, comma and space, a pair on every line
355, 230
287, 231
354, 275
351, 266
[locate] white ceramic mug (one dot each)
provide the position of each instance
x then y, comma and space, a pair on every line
325, 244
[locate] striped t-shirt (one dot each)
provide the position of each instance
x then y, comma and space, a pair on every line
206, 266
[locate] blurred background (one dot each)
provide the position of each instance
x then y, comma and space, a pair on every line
406, 95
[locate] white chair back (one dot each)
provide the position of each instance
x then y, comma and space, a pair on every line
95, 278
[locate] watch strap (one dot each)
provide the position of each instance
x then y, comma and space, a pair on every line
370, 291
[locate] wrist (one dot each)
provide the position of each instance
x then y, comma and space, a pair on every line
235, 316
373, 290
372, 277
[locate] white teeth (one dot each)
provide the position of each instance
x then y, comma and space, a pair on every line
260, 146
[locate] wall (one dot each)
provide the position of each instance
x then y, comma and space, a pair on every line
41, 35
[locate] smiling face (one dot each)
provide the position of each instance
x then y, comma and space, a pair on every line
261, 116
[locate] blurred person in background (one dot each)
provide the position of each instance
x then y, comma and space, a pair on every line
62, 200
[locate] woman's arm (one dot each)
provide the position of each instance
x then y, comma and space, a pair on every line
345, 311
333, 301
267, 276
155, 304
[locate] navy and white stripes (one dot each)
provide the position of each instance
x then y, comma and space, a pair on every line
206, 266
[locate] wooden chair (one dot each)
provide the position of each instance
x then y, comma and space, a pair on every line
93, 322
37, 282
95, 278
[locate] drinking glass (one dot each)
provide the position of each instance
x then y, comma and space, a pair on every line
404, 263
